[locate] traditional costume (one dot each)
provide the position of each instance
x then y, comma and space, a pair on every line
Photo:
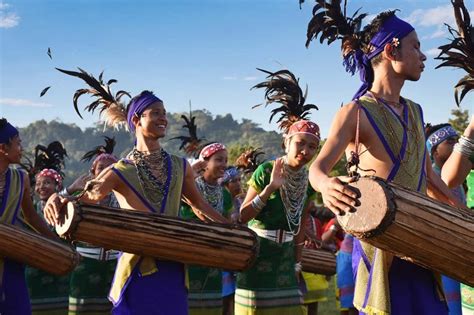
92, 278
142, 285
384, 284
205, 284
48, 292
14, 298
270, 286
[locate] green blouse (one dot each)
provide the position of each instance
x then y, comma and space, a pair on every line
272, 216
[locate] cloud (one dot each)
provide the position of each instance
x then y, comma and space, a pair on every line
229, 78
250, 78
433, 17
433, 52
7, 19
18, 102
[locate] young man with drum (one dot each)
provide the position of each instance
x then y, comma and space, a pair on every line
149, 179
382, 134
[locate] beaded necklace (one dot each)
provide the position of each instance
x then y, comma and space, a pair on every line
154, 174
293, 195
213, 194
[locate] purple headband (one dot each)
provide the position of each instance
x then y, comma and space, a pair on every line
7, 133
394, 29
439, 136
230, 174
139, 105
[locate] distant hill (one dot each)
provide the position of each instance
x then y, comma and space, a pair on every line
223, 129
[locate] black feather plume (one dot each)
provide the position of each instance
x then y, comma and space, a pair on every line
113, 111
191, 144
330, 22
283, 87
100, 149
460, 52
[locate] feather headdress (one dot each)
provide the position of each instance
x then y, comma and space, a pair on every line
112, 111
283, 87
249, 160
460, 52
191, 144
330, 22
50, 157
108, 148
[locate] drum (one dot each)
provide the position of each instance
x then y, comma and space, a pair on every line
318, 261
229, 247
413, 227
36, 250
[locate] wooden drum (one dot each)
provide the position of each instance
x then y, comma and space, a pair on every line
36, 250
413, 227
170, 238
318, 261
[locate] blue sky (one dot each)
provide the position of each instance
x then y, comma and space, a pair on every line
205, 51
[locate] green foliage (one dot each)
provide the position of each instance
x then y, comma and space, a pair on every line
460, 119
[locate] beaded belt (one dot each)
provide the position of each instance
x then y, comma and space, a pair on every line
98, 253
278, 236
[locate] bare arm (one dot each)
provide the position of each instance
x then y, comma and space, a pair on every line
458, 166
437, 189
98, 189
247, 211
194, 199
336, 196
31, 215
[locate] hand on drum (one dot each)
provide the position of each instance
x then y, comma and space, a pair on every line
337, 195
54, 209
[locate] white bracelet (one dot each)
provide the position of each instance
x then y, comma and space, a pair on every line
298, 267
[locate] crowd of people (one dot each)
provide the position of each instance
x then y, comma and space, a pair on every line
380, 132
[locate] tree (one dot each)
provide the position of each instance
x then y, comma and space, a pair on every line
460, 119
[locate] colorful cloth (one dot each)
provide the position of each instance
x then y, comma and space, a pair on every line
345, 276
467, 292
143, 285
13, 290
90, 281
211, 149
48, 293
403, 287
14, 298
316, 288
270, 285
452, 288
205, 284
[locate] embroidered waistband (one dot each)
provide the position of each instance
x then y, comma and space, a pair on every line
277, 236
98, 253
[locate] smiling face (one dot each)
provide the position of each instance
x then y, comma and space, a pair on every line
301, 149
12, 151
45, 186
152, 122
216, 165
409, 61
